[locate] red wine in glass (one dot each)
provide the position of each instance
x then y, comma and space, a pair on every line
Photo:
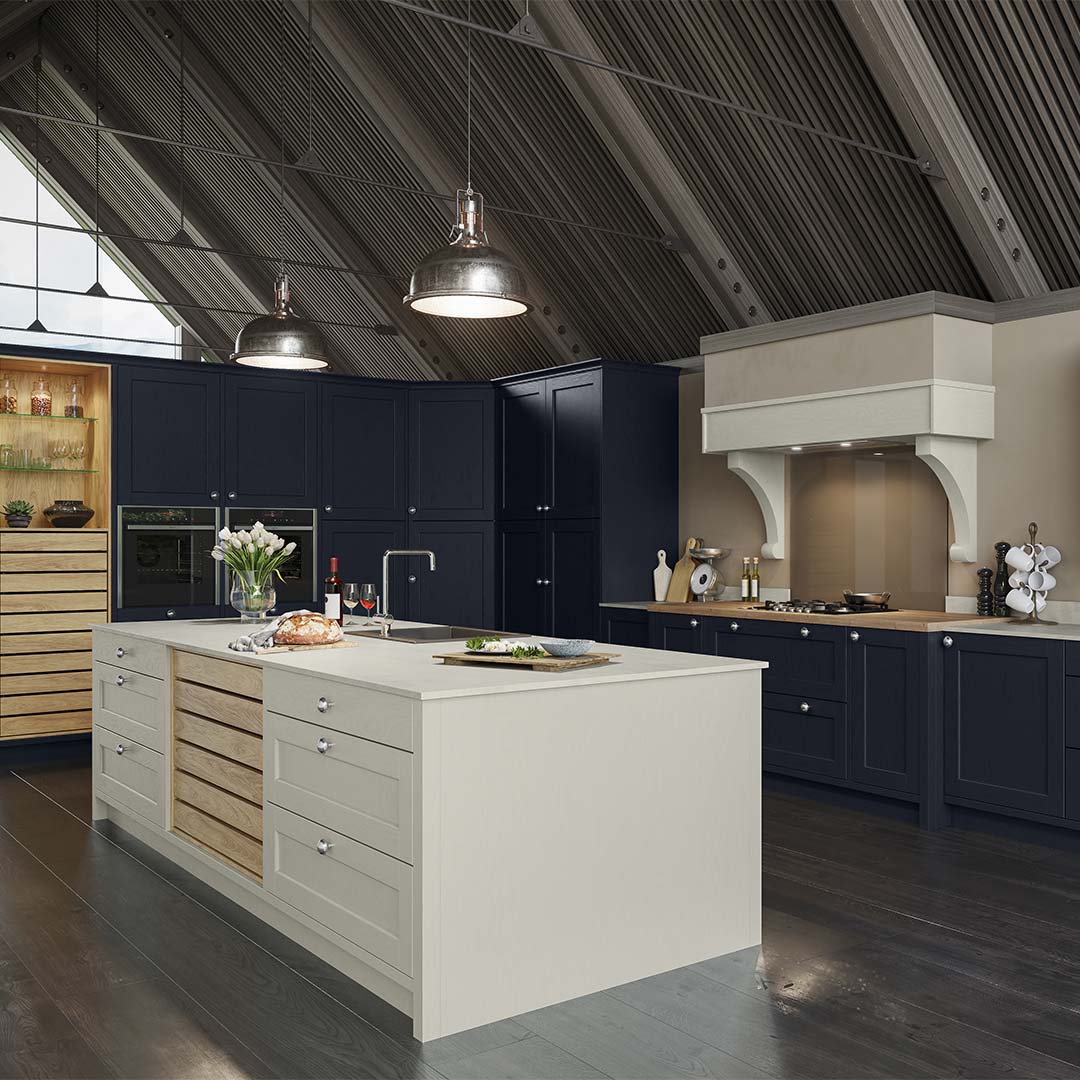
368, 597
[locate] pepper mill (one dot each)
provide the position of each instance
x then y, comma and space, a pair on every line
1001, 579
985, 600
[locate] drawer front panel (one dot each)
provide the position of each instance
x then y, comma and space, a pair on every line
1072, 785
236, 678
219, 739
229, 845
134, 779
357, 787
130, 653
37, 724
28, 644
384, 718
231, 776
238, 712
1072, 712
1072, 657
49, 542
361, 894
131, 704
810, 740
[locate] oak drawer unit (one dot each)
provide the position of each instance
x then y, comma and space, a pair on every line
129, 774
54, 584
357, 787
217, 721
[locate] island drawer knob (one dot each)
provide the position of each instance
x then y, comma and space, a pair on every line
947, 641
119, 652
120, 680
804, 707
323, 846
539, 581
547, 581
693, 622
546, 509
804, 631
734, 627
323, 704
412, 509
854, 635
120, 747
323, 745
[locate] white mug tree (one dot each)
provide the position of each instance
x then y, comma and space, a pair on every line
1031, 579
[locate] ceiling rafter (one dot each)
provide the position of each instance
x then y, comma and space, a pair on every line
918, 96
17, 49
619, 123
16, 17
223, 105
362, 73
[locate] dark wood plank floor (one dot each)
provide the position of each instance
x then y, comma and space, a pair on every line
888, 953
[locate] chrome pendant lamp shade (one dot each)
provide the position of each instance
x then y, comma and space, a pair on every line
469, 279
281, 339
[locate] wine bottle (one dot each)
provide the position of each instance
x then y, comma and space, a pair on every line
333, 592
755, 581
745, 589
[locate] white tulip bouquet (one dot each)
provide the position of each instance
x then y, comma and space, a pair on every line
259, 552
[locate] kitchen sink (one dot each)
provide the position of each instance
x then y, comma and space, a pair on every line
417, 635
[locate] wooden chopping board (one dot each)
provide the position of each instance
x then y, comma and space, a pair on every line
539, 663
304, 648
679, 589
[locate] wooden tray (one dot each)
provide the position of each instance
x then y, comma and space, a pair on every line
304, 648
539, 663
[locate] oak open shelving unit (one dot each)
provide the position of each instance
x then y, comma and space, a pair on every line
54, 583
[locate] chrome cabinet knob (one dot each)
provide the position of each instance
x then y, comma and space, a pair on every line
215, 494
120, 747
804, 707
693, 623
120, 652
323, 745
170, 614
328, 509
539, 581
412, 579
323, 846
232, 494
546, 509
120, 680
854, 635
539, 508
804, 631
412, 509
947, 641
323, 704
734, 626
547, 581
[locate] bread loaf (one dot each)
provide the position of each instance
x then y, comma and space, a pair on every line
307, 629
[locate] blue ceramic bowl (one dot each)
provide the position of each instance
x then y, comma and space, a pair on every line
566, 647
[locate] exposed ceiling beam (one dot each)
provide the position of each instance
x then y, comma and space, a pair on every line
227, 110
17, 16
916, 91
360, 70
615, 117
17, 50
136, 259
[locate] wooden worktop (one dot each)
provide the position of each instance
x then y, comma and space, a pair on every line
908, 619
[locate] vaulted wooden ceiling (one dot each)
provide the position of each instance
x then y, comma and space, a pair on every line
869, 149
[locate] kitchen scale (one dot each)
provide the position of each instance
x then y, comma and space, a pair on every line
706, 582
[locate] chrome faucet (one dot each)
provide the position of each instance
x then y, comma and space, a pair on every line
385, 613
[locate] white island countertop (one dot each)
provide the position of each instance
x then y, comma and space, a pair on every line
397, 667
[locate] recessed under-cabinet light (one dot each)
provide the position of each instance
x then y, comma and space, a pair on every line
845, 444
796, 448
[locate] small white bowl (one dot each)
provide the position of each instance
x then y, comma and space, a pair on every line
566, 647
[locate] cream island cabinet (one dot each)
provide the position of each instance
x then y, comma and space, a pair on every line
467, 842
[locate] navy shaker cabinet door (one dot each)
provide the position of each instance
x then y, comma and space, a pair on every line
460, 591
363, 443
263, 412
521, 436
677, 633
884, 707
452, 453
1005, 722
523, 599
803, 735
573, 570
168, 436
575, 432
359, 547
625, 626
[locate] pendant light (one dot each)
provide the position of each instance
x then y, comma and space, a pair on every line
281, 339
468, 279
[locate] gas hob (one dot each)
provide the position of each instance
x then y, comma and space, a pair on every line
821, 607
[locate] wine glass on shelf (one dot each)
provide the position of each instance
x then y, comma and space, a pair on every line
368, 596
350, 597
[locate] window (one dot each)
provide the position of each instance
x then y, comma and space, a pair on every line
67, 262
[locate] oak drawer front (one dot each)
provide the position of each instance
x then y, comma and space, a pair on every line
1072, 712
228, 675
384, 718
357, 787
356, 891
130, 653
132, 778
131, 704
806, 735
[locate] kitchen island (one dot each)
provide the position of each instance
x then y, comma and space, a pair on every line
468, 842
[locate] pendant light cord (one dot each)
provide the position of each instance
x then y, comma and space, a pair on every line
37, 174
183, 122
310, 82
97, 142
468, 101
281, 236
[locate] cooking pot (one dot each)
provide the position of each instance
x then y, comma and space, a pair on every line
855, 599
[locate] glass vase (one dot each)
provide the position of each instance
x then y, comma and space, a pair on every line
252, 594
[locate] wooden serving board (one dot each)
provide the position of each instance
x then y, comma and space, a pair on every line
304, 648
538, 663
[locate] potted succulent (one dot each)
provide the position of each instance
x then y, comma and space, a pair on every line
254, 558
18, 513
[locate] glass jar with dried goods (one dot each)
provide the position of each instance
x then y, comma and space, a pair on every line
73, 406
9, 394
41, 397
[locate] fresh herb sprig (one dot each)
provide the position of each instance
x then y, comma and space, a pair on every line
527, 652
475, 644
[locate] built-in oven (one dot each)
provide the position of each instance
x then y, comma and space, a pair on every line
163, 562
297, 587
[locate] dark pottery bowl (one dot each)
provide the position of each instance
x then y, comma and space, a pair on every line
68, 514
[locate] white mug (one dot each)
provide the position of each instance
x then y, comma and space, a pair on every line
1050, 556
1041, 580
1020, 559
1018, 578
1040, 601
1020, 600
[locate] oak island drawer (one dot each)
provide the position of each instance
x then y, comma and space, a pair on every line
385, 718
128, 774
130, 653
803, 735
131, 704
356, 891
357, 787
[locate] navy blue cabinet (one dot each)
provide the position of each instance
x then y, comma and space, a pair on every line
624, 626
452, 453
574, 440
885, 708
521, 435
363, 450
677, 633
522, 594
359, 547
1004, 717
573, 578
168, 421
461, 589
801, 735
271, 440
